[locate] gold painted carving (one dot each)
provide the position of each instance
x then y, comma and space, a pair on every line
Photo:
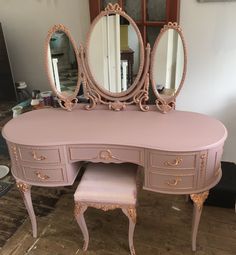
199, 199
14, 149
164, 106
41, 176
68, 103
176, 162
174, 182
203, 164
78, 208
117, 105
38, 158
105, 207
107, 155
23, 187
113, 7
132, 213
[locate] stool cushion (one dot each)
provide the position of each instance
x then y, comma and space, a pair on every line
108, 183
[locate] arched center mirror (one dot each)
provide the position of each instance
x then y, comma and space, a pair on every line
114, 54
168, 66
62, 65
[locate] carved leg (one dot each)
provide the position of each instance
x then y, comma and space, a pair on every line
131, 214
25, 190
198, 200
79, 215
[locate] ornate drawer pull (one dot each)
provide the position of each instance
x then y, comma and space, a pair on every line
107, 155
40, 158
42, 177
174, 182
176, 162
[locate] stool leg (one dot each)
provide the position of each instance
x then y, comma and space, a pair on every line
79, 215
131, 214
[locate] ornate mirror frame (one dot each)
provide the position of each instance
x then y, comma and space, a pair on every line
67, 102
167, 103
138, 91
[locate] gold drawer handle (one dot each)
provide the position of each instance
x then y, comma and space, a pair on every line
107, 155
174, 182
41, 176
176, 162
40, 158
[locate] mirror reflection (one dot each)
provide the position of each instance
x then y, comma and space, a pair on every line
114, 53
168, 63
63, 62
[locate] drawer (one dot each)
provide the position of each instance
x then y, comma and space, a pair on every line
170, 182
106, 154
171, 160
49, 175
47, 155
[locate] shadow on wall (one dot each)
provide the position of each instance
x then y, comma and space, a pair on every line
227, 115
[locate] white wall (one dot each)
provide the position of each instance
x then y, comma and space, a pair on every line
210, 86
25, 25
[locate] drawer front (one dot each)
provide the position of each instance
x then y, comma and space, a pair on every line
47, 155
171, 160
106, 154
170, 182
49, 175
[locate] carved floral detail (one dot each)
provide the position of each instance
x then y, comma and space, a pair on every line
68, 103
173, 25
117, 105
23, 187
113, 7
164, 106
199, 199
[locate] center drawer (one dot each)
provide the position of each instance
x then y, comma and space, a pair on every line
106, 154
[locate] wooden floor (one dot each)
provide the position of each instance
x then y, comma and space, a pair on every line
164, 227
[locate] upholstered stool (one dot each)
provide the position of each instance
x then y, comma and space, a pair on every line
107, 187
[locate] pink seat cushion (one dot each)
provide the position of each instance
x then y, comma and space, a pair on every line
108, 183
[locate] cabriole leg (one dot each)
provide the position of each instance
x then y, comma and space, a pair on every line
198, 200
25, 190
79, 215
131, 214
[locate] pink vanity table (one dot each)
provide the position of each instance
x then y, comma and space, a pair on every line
180, 152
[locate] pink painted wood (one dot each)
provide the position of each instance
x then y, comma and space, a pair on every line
180, 152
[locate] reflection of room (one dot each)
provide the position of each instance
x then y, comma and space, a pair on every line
64, 62
169, 61
116, 63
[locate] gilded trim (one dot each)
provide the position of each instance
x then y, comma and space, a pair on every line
23, 187
199, 199
132, 214
104, 206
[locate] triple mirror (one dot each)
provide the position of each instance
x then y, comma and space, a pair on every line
114, 67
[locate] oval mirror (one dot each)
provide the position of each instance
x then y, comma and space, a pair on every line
62, 65
168, 66
115, 53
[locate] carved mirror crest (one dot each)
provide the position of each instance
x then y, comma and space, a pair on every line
168, 66
63, 66
113, 61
